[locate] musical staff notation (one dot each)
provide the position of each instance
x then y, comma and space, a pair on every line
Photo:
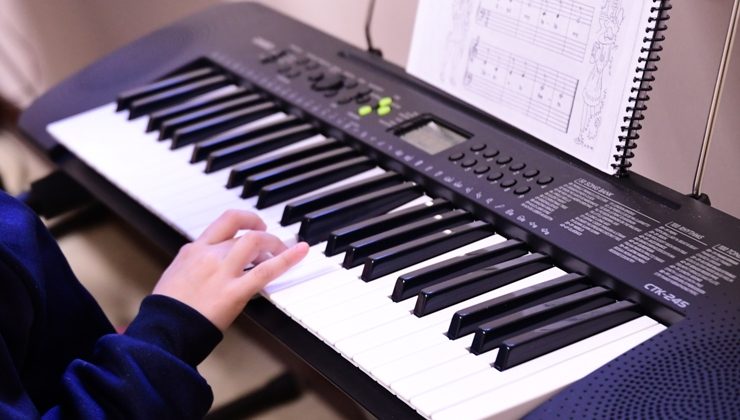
559, 26
532, 89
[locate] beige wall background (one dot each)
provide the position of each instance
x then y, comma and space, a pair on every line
41, 42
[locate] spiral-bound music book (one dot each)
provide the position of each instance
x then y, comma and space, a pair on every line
573, 73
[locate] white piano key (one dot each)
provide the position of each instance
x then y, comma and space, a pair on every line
251, 125
441, 374
418, 360
377, 336
324, 303
200, 99
219, 177
354, 301
314, 285
419, 340
386, 308
317, 138
359, 323
200, 222
431, 329
159, 178
307, 291
408, 325
349, 289
435, 396
275, 212
271, 215
352, 287
415, 202
352, 298
516, 398
315, 264
210, 95
162, 179
189, 201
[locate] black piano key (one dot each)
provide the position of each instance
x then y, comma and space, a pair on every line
168, 127
340, 239
317, 225
255, 182
125, 98
204, 129
418, 250
177, 94
158, 117
527, 346
223, 158
237, 135
298, 209
458, 289
465, 321
360, 251
410, 284
304, 183
492, 334
240, 173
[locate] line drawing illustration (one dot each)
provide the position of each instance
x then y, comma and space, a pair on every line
455, 39
602, 53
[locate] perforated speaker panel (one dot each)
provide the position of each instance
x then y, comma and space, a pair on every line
691, 370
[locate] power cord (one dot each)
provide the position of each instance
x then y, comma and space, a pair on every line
368, 21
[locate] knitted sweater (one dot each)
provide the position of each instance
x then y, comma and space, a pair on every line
59, 355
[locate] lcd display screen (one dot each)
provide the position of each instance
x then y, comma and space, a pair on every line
432, 137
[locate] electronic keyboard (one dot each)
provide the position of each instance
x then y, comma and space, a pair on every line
459, 268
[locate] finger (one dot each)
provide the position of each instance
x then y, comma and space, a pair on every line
223, 248
262, 257
271, 269
228, 224
251, 246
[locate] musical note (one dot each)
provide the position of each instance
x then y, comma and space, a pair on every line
562, 26
467, 79
474, 49
535, 90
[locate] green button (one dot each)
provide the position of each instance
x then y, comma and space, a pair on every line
383, 110
387, 101
365, 110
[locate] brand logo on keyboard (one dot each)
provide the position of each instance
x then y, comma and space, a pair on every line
650, 287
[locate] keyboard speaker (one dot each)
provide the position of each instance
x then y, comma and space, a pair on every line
698, 353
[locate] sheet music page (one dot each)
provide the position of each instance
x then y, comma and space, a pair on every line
561, 70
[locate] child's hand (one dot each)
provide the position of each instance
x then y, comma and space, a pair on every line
208, 274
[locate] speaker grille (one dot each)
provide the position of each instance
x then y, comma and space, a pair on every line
691, 370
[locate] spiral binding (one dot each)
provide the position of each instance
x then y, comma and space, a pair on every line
644, 76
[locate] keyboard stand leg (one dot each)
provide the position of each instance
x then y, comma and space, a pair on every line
54, 195
280, 390
308, 378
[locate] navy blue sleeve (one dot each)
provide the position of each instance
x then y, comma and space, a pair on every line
148, 372
59, 355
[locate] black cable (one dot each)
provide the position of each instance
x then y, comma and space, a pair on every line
368, 22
